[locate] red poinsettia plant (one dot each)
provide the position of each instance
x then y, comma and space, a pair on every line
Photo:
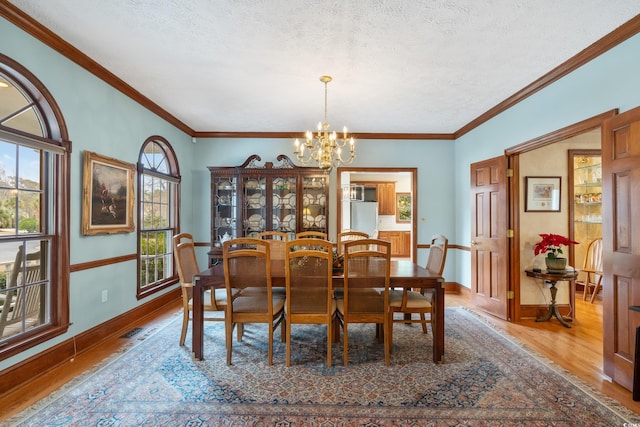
552, 245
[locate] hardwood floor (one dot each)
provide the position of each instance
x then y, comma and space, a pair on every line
578, 350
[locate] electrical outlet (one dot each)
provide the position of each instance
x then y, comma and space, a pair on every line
105, 295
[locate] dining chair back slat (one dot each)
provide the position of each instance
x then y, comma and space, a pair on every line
309, 288
215, 300
367, 269
247, 273
348, 236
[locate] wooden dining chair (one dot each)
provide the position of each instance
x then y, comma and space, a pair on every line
408, 301
592, 269
277, 241
367, 269
309, 288
312, 235
347, 236
247, 267
215, 301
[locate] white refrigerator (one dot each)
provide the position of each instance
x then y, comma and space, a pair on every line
364, 216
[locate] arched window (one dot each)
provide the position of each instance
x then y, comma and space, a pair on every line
158, 196
34, 212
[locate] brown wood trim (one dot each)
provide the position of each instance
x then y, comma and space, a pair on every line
617, 36
293, 135
48, 37
533, 311
102, 262
38, 364
513, 194
457, 289
561, 134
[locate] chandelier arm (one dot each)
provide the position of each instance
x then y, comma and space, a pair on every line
324, 147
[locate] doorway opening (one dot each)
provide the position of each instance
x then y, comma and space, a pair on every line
372, 198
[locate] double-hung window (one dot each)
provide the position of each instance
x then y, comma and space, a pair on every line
34, 188
158, 190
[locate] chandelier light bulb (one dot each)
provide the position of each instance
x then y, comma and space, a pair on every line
325, 148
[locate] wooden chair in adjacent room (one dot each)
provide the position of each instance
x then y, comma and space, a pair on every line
215, 301
367, 264
592, 269
408, 301
309, 288
22, 307
247, 266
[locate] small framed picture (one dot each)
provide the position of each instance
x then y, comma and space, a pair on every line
107, 205
542, 194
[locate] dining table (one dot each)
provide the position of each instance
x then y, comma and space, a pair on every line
404, 274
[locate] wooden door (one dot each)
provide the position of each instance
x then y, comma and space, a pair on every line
489, 245
621, 242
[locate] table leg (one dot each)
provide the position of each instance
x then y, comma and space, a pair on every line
437, 323
554, 311
197, 327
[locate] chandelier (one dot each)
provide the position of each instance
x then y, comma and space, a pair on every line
324, 147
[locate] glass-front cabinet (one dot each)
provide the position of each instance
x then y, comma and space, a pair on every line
585, 200
252, 197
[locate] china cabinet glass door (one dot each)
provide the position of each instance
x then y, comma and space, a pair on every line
585, 203
225, 208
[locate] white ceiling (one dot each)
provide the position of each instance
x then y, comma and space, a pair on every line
399, 66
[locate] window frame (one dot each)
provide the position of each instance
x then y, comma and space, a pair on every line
174, 178
55, 200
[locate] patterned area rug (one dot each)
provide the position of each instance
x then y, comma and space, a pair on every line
486, 380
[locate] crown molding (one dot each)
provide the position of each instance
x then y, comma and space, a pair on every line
37, 30
614, 38
291, 135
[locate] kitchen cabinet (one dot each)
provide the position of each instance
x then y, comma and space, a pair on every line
400, 242
385, 195
252, 197
386, 198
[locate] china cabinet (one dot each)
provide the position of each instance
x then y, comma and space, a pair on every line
585, 200
255, 197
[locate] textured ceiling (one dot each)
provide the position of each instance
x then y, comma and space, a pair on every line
399, 66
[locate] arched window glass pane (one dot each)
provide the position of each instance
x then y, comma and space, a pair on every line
16, 110
155, 158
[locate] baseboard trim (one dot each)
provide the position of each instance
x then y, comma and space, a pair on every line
456, 288
534, 311
39, 364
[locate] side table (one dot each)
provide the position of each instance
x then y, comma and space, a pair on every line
552, 278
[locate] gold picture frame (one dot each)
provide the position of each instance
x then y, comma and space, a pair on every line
403, 207
108, 198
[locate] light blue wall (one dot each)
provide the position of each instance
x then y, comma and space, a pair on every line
605, 83
433, 159
103, 120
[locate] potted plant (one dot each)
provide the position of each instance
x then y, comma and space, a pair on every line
552, 245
